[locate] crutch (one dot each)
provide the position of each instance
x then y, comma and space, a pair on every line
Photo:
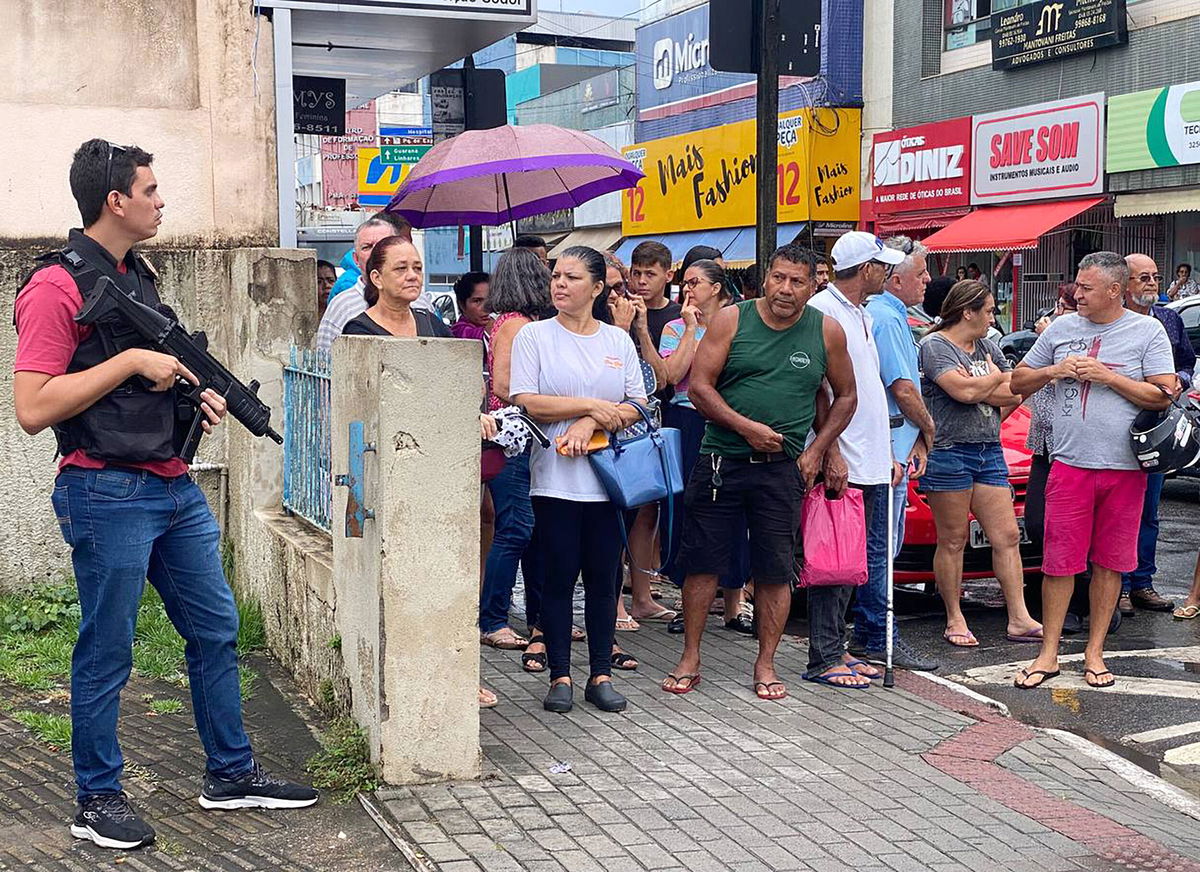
889, 679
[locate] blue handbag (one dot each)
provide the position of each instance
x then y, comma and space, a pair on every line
641, 469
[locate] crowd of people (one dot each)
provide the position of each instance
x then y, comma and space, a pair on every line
807, 376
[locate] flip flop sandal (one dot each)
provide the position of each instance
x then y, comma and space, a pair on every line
537, 661
971, 642
621, 660
578, 634
505, 639
855, 663
827, 679
762, 689
1186, 613
692, 679
1046, 674
664, 615
1027, 636
627, 625
489, 701
1099, 683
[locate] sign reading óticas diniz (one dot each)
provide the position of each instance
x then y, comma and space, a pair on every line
1046, 31
923, 167
706, 179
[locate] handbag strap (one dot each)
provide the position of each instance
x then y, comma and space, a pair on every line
661, 449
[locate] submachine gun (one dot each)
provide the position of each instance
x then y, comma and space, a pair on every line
166, 334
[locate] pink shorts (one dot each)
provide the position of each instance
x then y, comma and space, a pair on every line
1092, 515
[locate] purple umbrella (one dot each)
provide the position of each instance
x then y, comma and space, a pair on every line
495, 176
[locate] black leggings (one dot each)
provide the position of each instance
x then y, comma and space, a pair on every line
575, 538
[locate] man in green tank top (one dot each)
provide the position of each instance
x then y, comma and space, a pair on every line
757, 378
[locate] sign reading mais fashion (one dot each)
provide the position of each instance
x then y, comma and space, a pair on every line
706, 179
1156, 128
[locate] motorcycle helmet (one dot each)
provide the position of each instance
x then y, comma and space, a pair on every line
1166, 441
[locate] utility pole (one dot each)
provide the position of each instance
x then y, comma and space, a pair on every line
474, 232
767, 36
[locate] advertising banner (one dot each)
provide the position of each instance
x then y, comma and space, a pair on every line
923, 167
1047, 31
600, 92
339, 157
377, 181
319, 105
1041, 152
706, 179
1156, 128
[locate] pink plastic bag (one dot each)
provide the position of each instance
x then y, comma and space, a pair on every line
835, 539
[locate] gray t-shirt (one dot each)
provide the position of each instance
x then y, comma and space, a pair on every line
954, 422
1089, 421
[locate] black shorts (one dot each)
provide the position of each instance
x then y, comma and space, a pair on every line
765, 497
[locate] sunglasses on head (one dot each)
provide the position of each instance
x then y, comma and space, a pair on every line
112, 149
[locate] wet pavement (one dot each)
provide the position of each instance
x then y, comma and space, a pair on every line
1152, 715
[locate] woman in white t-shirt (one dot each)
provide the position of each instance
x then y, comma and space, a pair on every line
572, 372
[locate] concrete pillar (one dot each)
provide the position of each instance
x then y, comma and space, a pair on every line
408, 589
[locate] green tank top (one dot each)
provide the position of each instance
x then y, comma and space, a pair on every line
771, 376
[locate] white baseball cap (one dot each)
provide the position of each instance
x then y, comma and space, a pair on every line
858, 247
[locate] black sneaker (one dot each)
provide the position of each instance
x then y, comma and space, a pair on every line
903, 657
255, 789
110, 822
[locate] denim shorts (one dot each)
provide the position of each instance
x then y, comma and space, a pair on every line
960, 467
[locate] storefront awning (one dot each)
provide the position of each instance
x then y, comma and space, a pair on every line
680, 243
1162, 202
1006, 228
908, 222
736, 244
599, 238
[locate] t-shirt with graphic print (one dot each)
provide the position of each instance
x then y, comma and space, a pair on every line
958, 423
1090, 421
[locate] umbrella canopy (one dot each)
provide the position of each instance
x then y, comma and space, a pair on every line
495, 176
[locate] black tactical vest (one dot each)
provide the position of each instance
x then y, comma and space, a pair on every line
132, 424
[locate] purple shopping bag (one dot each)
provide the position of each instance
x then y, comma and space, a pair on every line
835, 539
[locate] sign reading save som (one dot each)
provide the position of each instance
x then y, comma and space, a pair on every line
706, 179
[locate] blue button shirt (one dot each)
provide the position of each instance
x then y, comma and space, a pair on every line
897, 359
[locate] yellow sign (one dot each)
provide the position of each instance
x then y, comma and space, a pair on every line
377, 181
706, 179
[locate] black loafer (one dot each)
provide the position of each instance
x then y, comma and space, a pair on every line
676, 624
561, 698
605, 697
741, 623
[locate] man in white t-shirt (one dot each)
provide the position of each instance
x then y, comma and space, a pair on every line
861, 264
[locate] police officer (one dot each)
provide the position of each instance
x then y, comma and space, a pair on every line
125, 502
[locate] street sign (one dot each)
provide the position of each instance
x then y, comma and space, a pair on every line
402, 154
733, 44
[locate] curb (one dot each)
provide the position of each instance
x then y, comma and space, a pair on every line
972, 695
409, 851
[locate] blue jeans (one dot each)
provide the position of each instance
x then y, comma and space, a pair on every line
514, 529
124, 526
1142, 578
870, 605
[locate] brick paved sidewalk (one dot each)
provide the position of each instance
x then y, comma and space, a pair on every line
915, 778
164, 764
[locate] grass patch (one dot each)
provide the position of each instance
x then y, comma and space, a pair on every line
38, 629
52, 730
166, 706
343, 765
247, 679
157, 648
252, 629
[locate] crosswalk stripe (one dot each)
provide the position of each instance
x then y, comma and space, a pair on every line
1184, 755
1173, 732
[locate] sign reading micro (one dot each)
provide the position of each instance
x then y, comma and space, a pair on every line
1041, 152
924, 167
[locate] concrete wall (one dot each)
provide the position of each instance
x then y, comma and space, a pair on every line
408, 587
179, 78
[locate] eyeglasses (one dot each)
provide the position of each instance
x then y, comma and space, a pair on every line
112, 148
691, 284
619, 288
1146, 278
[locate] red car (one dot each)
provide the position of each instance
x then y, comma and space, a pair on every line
914, 565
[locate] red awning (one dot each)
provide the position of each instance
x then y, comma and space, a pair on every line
930, 219
1006, 228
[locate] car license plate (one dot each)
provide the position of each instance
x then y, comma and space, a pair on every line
979, 538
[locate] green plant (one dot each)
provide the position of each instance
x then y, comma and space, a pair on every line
37, 661
36, 610
327, 697
166, 706
52, 730
157, 647
247, 678
335, 644
252, 629
343, 765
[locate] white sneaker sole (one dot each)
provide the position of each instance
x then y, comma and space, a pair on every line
255, 802
105, 842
